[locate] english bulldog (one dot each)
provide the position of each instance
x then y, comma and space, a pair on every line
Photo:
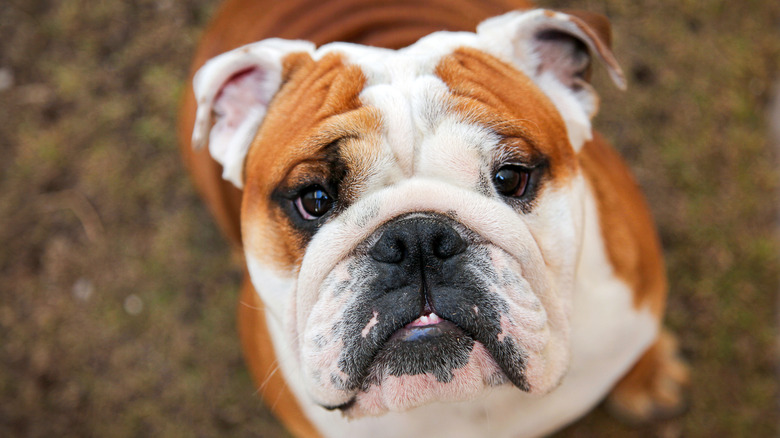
436, 241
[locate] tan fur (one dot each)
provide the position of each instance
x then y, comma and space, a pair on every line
629, 233
382, 23
496, 94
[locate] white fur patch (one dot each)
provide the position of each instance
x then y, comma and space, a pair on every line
371, 323
571, 109
273, 287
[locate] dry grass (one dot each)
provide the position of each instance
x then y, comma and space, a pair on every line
118, 295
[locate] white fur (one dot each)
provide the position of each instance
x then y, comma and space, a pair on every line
511, 38
519, 28
273, 287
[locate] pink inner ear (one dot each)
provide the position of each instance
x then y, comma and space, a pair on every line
243, 91
564, 55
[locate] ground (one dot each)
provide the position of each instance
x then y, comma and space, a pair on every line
118, 295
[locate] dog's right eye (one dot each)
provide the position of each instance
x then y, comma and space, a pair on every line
313, 202
511, 180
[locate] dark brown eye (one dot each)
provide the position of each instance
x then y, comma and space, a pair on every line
511, 180
313, 202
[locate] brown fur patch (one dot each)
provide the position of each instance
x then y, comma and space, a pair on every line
497, 95
629, 233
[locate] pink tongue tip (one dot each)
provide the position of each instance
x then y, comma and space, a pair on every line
424, 320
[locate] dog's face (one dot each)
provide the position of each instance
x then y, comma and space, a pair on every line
412, 219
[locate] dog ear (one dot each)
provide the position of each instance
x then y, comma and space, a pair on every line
555, 49
233, 91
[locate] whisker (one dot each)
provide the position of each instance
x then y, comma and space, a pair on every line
244, 303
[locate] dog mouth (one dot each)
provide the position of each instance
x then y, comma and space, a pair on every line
429, 358
429, 344
426, 327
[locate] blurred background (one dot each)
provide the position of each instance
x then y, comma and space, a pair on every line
118, 295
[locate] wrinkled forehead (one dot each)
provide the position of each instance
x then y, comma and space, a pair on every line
446, 73
383, 101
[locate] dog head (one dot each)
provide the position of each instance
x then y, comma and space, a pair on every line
412, 219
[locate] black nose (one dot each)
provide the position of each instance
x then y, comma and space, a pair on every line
417, 239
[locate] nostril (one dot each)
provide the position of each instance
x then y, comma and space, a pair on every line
389, 249
448, 243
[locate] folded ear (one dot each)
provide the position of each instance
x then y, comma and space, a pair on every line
555, 50
233, 91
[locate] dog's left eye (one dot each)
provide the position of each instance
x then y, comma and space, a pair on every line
511, 180
313, 202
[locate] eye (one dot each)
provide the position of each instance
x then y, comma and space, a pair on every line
511, 180
313, 202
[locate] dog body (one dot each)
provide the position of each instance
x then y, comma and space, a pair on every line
430, 232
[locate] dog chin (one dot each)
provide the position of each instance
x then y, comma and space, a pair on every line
390, 388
